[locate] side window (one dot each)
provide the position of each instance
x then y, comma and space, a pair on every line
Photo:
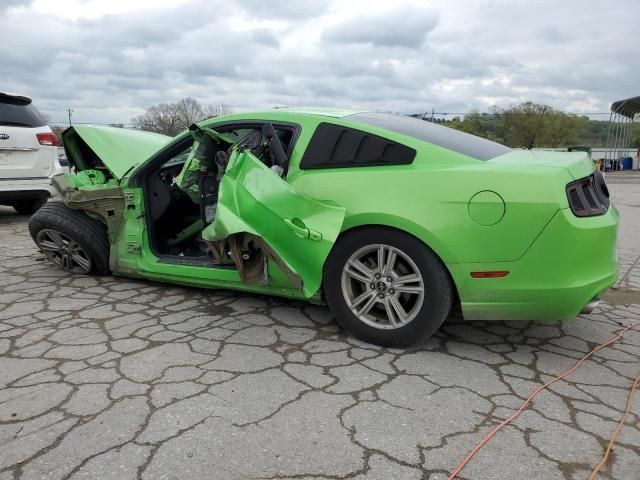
239, 133
334, 146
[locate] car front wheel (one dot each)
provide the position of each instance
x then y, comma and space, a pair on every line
71, 239
386, 287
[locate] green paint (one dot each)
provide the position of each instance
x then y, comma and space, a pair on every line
509, 213
486, 208
118, 148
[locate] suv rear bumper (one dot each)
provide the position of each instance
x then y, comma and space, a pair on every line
12, 189
572, 262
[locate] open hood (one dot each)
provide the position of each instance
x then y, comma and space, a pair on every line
116, 149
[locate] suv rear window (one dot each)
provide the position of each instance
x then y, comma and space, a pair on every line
461, 142
15, 113
335, 146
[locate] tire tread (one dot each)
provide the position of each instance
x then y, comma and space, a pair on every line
90, 233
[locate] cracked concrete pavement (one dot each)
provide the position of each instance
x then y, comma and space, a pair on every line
109, 378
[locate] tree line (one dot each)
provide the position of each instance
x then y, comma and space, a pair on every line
172, 118
526, 125
530, 125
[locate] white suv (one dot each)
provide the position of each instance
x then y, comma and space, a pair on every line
28, 154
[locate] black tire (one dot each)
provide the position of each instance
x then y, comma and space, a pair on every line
438, 290
90, 234
28, 207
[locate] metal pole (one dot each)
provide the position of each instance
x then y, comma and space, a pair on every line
69, 111
607, 144
637, 146
618, 140
611, 148
627, 137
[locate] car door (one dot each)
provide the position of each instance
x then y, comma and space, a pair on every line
299, 230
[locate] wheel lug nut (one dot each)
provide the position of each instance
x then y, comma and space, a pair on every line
389, 279
373, 286
391, 291
381, 295
377, 276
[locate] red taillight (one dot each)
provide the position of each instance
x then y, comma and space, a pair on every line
47, 139
489, 274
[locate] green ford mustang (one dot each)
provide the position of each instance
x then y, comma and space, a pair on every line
390, 220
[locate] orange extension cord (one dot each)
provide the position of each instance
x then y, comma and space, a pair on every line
612, 440
536, 391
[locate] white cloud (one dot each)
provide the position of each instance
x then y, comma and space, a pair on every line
110, 59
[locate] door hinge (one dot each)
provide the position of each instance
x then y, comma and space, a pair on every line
133, 247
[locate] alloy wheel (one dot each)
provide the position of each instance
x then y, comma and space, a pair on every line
63, 251
382, 286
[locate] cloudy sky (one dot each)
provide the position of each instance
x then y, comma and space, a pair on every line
110, 59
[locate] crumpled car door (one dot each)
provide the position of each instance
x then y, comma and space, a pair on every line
299, 230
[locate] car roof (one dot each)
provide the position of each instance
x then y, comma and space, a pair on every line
286, 112
325, 112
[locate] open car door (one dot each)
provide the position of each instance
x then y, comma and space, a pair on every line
297, 232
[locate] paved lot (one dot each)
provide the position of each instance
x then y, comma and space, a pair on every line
109, 378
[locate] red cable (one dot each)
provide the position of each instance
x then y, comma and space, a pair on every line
528, 400
615, 433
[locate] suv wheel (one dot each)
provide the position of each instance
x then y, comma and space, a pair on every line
28, 207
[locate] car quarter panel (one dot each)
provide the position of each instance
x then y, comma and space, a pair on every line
430, 197
571, 262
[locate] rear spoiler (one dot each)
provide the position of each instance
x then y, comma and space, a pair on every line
14, 98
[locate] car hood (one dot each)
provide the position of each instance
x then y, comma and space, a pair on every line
118, 149
578, 164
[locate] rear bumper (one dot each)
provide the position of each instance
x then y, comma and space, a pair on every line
25, 189
571, 262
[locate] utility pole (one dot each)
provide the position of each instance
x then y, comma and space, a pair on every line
69, 111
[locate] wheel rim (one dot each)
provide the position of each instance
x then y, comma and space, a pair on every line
63, 251
382, 286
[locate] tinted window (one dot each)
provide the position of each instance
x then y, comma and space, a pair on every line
461, 142
337, 146
17, 114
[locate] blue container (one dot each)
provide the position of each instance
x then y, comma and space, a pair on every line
627, 163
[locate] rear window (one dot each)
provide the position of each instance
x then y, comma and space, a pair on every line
14, 113
334, 146
461, 142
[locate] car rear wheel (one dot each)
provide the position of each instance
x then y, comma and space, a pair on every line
28, 207
386, 287
71, 239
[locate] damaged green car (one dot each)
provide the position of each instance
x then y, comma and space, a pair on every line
390, 220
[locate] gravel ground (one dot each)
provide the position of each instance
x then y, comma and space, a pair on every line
108, 378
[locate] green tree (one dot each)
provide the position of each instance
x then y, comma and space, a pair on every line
562, 130
531, 125
524, 124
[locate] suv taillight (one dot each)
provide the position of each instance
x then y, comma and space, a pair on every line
49, 139
589, 196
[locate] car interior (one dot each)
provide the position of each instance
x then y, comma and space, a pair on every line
181, 200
